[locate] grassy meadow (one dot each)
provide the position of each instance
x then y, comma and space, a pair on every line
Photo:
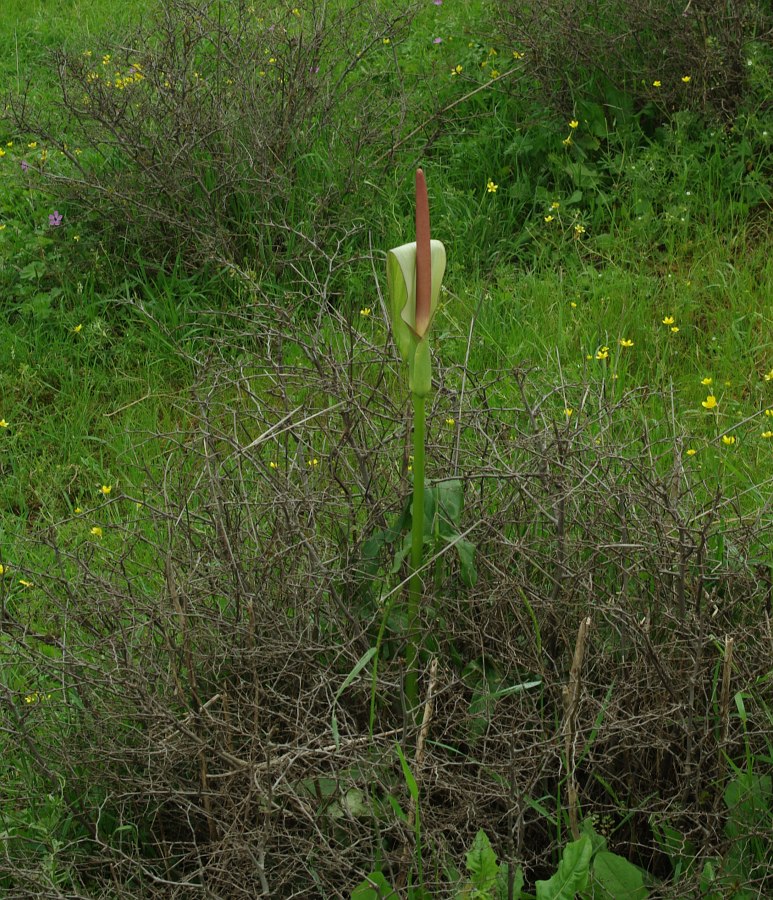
206, 464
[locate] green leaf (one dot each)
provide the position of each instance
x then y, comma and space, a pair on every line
366, 657
467, 570
450, 503
413, 788
748, 800
502, 891
401, 555
352, 805
482, 863
614, 878
374, 887
679, 850
572, 874
397, 809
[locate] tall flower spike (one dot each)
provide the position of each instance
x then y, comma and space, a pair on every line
423, 256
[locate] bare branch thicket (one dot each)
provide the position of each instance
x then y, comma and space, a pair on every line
583, 50
195, 657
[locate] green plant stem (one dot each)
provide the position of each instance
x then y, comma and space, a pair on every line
417, 547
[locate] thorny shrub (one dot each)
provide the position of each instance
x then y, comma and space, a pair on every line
187, 662
228, 130
676, 54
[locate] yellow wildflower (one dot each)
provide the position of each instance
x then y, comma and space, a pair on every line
457, 70
686, 79
691, 452
710, 402
602, 353
624, 342
706, 381
491, 187
78, 328
273, 465
549, 218
3, 423
568, 411
567, 140
674, 329
578, 230
573, 124
555, 204
365, 311
728, 439
24, 583
669, 320
769, 376
767, 434
96, 531
656, 84
105, 489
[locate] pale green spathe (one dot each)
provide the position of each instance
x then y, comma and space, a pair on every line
401, 289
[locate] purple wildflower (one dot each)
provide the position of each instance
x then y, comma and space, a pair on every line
55, 219
24, 165
438, 41
438, 2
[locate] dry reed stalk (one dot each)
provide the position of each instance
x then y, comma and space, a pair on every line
724, 697
571, 705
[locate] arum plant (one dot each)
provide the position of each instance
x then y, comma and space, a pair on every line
414, 274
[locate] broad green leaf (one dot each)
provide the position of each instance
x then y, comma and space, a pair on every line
374, 887
572, 874
614, 878
679, 850
482, 863
352, 804
748, 800
467, 570
401, 555
502, 891
450, 502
